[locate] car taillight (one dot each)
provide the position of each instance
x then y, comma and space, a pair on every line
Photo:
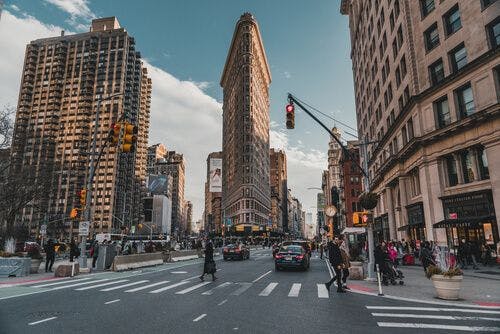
279, 256
237, 250
225, 249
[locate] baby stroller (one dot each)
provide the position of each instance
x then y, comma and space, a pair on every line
390, 273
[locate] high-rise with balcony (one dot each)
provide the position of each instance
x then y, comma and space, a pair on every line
62, 79
246, 195
426, 78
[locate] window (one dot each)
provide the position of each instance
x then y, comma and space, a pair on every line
406, 94
451, 169
409, 127
403, 66
431, 37
426, 6
482, 164
442, 112
391, 20
436, 72
458, 57
494, 33
398, 77
400, 36
404, 135
465, 101
486, 3
396, 8
452, 21
394, 49
467, 160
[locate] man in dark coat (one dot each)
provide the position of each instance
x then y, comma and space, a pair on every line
209, 265
335, 258
50, 255
73, 250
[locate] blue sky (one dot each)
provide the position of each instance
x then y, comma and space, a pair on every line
186, 43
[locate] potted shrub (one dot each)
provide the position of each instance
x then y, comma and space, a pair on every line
33, 251
447, 279
368, 200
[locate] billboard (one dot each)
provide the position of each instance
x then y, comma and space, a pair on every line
215, 175
157, 184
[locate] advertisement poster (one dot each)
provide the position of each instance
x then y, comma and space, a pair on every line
215, 175
157, 184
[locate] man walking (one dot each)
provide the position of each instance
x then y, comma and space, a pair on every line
50, 255
346, 264
335, 258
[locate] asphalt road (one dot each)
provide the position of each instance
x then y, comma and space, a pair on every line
248, 297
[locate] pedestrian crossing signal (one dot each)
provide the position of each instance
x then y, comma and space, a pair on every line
74, 213
361, 219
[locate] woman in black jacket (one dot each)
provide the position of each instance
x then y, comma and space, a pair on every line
209, 266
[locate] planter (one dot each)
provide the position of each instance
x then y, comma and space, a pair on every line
356, 271
35, 265
447, 287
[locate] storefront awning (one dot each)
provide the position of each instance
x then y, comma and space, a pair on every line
407, 227
354, 230
464, 222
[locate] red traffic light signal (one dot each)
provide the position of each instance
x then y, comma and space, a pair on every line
290, 108
290, 116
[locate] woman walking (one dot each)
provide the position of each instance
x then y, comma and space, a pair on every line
209, 266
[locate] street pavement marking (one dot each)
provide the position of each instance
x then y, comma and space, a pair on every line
294, 291
147, 286
112, 301
261, 276
168, 287
244, 287
178, 272
222, 302
269, 288
78, 284
190, 278
124, 285
322, 291
220, 286
430, 316
59, 283
436, 326
40, 321
102, 284
200, 317
432, 309
194, 287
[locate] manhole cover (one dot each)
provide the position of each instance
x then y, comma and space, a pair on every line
489, 272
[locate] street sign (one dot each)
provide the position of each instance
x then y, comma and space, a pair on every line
43, 230
83, 228
132, 229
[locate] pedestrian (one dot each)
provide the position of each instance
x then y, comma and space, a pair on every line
426, 256
346, 264
474, 253
209, 265
462, 254
335, 258
94, 252
73, 250
50, 255
198, 248
321, 250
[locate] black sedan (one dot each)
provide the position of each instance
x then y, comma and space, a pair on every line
291, 256
233, 251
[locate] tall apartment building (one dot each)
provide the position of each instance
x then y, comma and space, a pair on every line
213, 212
173, 165
427, 88
155, 153
351, 183
279, 187
62, 80
246, 195
188, 208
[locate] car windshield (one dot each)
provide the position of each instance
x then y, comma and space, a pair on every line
291, 249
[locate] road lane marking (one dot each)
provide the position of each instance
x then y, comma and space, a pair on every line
430, 316
190, 278
222, 302
294, 291
437, 326
124, 285
147, 286
200, 317
432, 309
40, 321
178, 272
220, 286
112, 301
102, 284
194, 287
244, 287
59, 283
78, 284
322, 291
261, 276
168, 287
269, 288
329, 268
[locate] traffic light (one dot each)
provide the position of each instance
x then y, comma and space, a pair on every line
129, 137
83, 196
74, 213
361, 219
114, 133
290, 116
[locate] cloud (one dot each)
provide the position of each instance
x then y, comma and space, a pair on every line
14, 7
287, 74
203, 84
79, 11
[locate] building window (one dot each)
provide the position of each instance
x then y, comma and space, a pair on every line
403, 66
398, 77
465, 101
442, 112
436, 72
400, 36
452, 20
458, 57
486, 3
409, 127
467, 161
451, 171
404, 135
396, 8
426, 6
431, 37
391, 20
494, 33
482, 160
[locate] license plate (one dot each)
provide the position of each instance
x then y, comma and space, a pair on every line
231, 251
288, 258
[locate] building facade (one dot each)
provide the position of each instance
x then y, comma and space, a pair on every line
213, 200
246, 194
155, 153
62, 80
279, 186
426, 77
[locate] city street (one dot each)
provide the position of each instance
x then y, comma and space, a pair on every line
247, 297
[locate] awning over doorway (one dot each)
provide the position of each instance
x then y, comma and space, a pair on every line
465, 222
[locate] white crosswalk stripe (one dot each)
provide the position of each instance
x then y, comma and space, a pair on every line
78, 284
102, 284
168, 287
294, 291
62, 282
147, 286
243, 287
269, 288
220, 286
124, 285
194, 287
322, 291
439, 326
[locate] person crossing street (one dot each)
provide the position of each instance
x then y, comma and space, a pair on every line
335, 258
209, 265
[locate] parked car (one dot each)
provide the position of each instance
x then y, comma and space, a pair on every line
236, 251
291, 256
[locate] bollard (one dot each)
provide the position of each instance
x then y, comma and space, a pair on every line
379, 282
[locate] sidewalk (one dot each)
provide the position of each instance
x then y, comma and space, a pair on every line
479, 287
33, 278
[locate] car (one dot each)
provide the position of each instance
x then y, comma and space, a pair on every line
291, 256
276, 248
235, 251
303, 243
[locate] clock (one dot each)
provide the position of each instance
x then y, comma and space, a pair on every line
330, 210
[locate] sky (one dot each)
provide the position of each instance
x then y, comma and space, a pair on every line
184, 44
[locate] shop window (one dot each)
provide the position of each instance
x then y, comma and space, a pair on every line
431, 37
452, 20
458, 57
467, 161
482, 160
465, 100
451, 171
442, 112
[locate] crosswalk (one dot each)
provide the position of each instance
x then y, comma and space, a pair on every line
442, 318
130, 285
